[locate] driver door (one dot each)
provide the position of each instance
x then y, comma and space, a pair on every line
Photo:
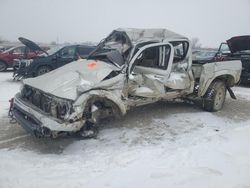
66, 55
149, 70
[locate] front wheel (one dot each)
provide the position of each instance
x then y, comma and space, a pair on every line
3, 66
42, 70
215, 96
89, 130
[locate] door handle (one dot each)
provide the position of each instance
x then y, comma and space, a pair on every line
159, 77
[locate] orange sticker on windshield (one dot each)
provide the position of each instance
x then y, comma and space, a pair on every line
92, 64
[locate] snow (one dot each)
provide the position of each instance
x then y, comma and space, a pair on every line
8, 88
183, 148
243, 92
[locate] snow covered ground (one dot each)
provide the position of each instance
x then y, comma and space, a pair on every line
159, 145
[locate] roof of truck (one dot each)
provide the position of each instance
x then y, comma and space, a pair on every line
136, 35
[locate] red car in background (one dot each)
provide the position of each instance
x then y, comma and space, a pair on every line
7, 57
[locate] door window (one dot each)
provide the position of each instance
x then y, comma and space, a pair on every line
180, 50
224, 49
19, 50
154, 57
68, 52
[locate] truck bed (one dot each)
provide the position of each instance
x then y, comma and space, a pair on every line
204, 74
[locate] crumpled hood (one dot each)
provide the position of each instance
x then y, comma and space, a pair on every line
239, 43
64, 82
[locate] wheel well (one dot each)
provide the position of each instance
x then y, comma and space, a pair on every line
104, 104
228, 79
44, 66
35, 72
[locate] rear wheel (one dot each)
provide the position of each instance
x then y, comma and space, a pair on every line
215, 96
3, 66
42, 70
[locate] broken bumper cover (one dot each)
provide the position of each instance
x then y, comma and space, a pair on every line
33, 120
21, 72
23, 69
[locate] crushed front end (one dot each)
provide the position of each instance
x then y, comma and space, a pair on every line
44, 115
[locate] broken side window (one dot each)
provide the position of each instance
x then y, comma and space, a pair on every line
180, 50
154, 57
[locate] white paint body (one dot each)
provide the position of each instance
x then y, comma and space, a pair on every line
135, 85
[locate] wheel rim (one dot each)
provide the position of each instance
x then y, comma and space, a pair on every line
2, 66
43, 70
219, 98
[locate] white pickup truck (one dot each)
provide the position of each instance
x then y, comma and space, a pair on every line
129, 68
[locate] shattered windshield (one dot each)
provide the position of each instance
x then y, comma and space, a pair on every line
113, 49
110, 56
117, 41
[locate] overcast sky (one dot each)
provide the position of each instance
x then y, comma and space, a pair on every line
212, 21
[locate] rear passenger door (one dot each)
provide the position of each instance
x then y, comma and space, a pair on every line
181, 74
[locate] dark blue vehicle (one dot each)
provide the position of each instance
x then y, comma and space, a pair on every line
237, 48
50, 60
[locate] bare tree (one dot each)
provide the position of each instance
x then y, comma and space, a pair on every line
195, 43
1, 39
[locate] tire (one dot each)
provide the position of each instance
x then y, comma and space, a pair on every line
215, 96
88, 131
3, 66
42, 70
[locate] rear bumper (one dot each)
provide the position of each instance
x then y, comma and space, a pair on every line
36, 122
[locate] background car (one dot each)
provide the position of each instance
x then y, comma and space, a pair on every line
50, 60
7, 57
237, 48
203, 55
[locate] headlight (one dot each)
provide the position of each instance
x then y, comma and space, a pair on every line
63, 110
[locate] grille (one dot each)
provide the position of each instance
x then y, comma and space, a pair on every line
48, 104
37, 98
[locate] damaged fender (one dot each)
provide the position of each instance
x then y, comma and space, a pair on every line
212, 71
93, 95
